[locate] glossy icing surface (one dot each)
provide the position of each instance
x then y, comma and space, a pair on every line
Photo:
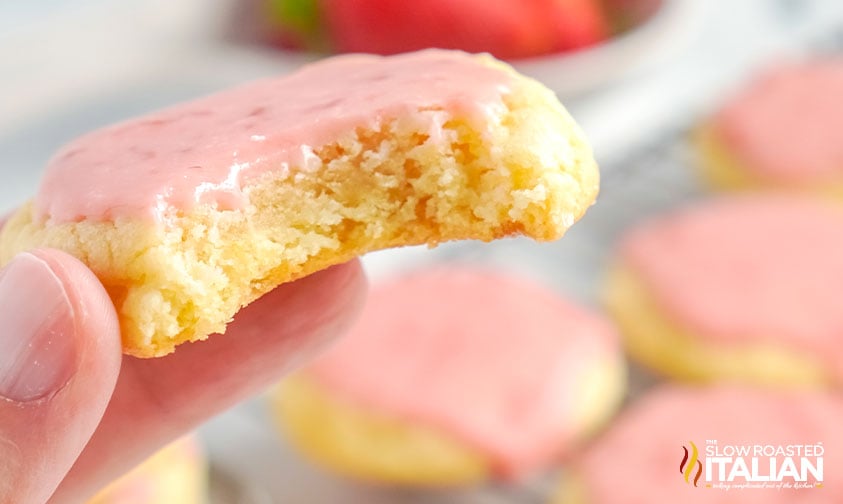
748, 269
788, 124
637, 460
491, 360
208, 150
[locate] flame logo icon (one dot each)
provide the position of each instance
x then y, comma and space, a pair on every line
686, 467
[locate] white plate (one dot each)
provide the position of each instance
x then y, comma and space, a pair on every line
654, 40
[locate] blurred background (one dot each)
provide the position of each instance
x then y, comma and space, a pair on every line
637, 80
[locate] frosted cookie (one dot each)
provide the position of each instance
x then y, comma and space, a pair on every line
454, 376
176, 474
190, 213
784, 131
743, 288
667, 447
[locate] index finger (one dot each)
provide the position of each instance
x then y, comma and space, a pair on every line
158, 400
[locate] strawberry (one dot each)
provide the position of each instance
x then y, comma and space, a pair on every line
509, 29
576, 23
506, 28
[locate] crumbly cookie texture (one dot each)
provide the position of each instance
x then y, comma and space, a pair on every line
525, 169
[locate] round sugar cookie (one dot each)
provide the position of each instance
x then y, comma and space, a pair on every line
452, 376
672, 444
190, 213
784, 130
745, 288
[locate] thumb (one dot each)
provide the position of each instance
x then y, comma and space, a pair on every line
59, 360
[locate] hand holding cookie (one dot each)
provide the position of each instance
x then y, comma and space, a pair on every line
72, 402
238, 213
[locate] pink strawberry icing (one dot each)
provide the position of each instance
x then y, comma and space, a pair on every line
637, 461
487, 359
788, 124
748, 269
210, 149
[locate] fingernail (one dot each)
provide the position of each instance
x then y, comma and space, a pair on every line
37, 331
